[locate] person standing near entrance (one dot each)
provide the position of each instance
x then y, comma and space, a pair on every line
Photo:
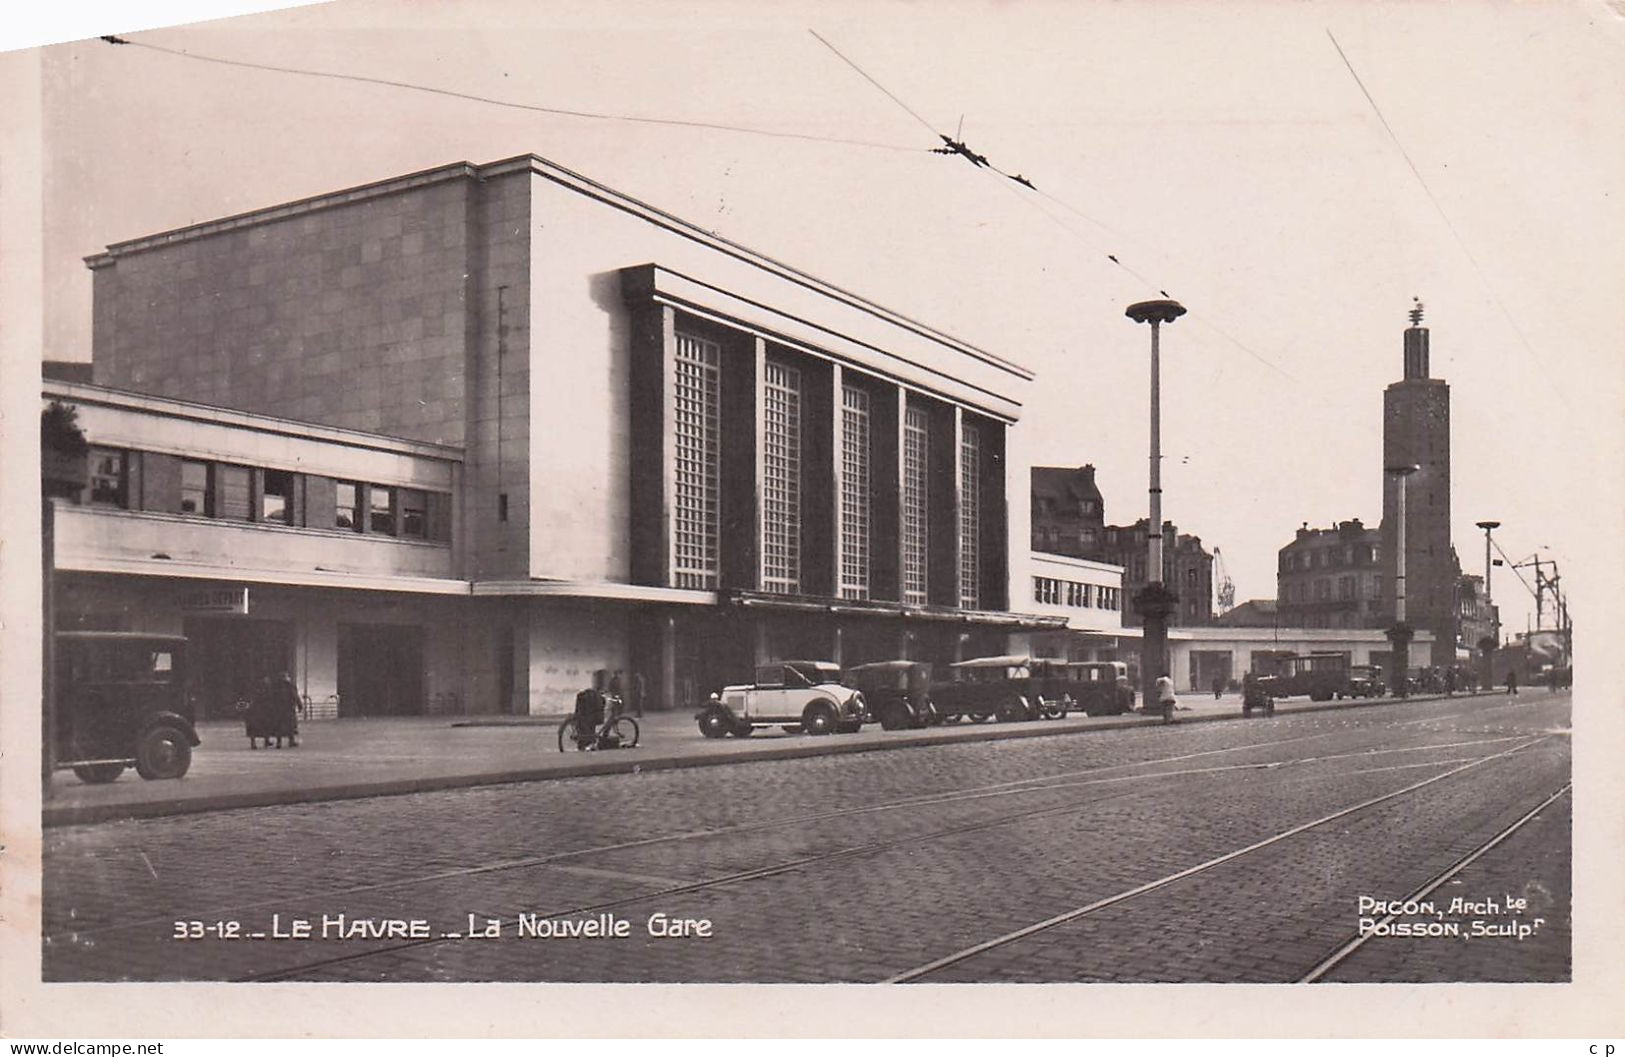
1218, 686
1512, 681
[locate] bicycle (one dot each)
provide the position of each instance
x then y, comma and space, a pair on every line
618, 731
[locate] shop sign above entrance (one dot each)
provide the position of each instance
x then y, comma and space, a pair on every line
215, 600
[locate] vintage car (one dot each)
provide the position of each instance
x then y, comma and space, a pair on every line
121, 701
898, 692
1097, 688
1320, 676
797, 695
988, 688
1366, 680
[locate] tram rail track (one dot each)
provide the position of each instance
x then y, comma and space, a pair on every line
303, 969
1074, 779
919, 972
1359, 939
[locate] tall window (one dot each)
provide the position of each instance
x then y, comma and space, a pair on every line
916, 434
347, 505
195, 488
970, 518
414, 513
234, 501
781, 479
276, 501
854, 493
696, 418
109, 477
381, 510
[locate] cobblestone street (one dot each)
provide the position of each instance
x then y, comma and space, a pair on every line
1221, 852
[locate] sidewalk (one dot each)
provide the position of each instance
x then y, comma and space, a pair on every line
349, 758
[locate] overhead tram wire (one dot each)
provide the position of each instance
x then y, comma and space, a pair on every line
956, 146
509, 104
1451, 227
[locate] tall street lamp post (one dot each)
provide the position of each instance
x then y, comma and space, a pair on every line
1401, 633
1155, 602
1488, 643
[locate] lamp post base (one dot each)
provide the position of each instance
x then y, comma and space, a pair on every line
1400, 636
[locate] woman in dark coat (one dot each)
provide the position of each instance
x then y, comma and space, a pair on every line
274, 713
285, 711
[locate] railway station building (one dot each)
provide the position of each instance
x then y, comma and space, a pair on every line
469, 439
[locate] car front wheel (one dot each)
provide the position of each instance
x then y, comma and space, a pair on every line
713, 724
163, 752
819, 718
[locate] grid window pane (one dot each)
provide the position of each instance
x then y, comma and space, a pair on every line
916, 434
347, 505
781, 479
381, 510
696, 424
970, 518
195, 488
414, 513
107, 477
854, 493
276, 502
234, 493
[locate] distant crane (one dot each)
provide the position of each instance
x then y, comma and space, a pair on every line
1226, 590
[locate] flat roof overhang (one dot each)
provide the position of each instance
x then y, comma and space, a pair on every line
844, 607
161, 568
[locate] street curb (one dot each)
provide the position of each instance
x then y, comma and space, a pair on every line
613, 763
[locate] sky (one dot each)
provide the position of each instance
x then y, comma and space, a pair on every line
1224, 153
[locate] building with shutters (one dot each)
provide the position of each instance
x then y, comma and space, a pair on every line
470, 439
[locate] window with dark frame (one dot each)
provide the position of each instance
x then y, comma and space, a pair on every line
347, 505
234, 493
195, 498
276, 497
381, 510
414, 507
109, 477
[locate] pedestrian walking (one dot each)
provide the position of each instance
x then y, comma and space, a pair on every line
1512, 681
1218, 686
1450, 681
1165, 697
285, 709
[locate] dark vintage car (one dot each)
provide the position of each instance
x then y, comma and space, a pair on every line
1319, 676
121, 701
1097, 688
988, 688
898, 692
797, 695
1366, 680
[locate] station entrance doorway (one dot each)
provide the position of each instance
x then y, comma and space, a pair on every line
1210, 666
380, 670
230, 657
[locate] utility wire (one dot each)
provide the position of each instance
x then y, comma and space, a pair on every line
1515, 571
1460, 242
534, 108
957, 146
876, 83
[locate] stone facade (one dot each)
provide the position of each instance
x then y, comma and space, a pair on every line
1332, 578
